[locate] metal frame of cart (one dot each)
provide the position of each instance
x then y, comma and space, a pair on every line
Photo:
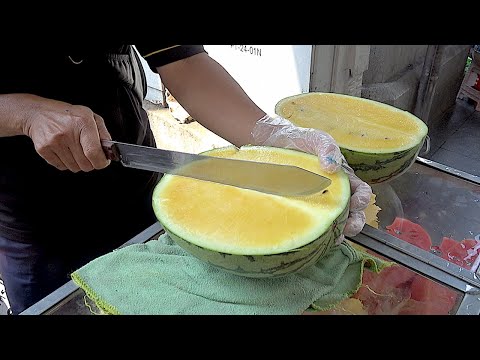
412, 257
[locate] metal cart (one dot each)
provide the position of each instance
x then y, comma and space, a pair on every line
445, 201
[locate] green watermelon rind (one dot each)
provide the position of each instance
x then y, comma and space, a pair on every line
268, 266
371, 167
375, 168
261, 265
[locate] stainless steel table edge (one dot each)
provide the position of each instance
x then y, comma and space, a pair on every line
426, 264
419, 260
448, 169
452, 171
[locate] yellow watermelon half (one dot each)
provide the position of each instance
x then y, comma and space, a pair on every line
251, 233
378, 141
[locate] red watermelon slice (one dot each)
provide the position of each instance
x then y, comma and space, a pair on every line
430, 298
410, 232
464, 253
398, 290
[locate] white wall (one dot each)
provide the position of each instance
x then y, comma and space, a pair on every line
267, 73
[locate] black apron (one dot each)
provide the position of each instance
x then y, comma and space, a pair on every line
97, 210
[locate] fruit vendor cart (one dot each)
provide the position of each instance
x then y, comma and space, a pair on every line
428, 225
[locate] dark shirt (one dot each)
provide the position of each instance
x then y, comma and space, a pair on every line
157, 56
39, 202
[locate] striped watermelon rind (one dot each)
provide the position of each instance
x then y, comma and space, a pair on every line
268, 266
372, 167
378, 168
265, 265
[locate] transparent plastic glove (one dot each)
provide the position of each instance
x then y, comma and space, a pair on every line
361, 194
279, 132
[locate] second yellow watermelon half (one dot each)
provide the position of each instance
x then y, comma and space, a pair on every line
379, 141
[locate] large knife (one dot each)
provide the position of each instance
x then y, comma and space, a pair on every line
269, 178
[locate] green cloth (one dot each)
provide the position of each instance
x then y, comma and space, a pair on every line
159, 277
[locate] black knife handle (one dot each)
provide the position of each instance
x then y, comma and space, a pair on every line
110, 149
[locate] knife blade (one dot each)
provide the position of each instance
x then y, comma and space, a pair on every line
277, 179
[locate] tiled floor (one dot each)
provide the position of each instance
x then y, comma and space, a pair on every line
455, 138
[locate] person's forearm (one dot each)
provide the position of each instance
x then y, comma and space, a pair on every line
212, 97
14, 113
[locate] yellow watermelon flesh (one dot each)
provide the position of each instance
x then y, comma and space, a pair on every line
378, 141
248, 232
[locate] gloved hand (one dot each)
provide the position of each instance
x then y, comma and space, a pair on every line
280, 132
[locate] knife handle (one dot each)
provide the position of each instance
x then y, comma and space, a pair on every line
110, 149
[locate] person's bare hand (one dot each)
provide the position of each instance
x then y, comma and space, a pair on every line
67, 136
